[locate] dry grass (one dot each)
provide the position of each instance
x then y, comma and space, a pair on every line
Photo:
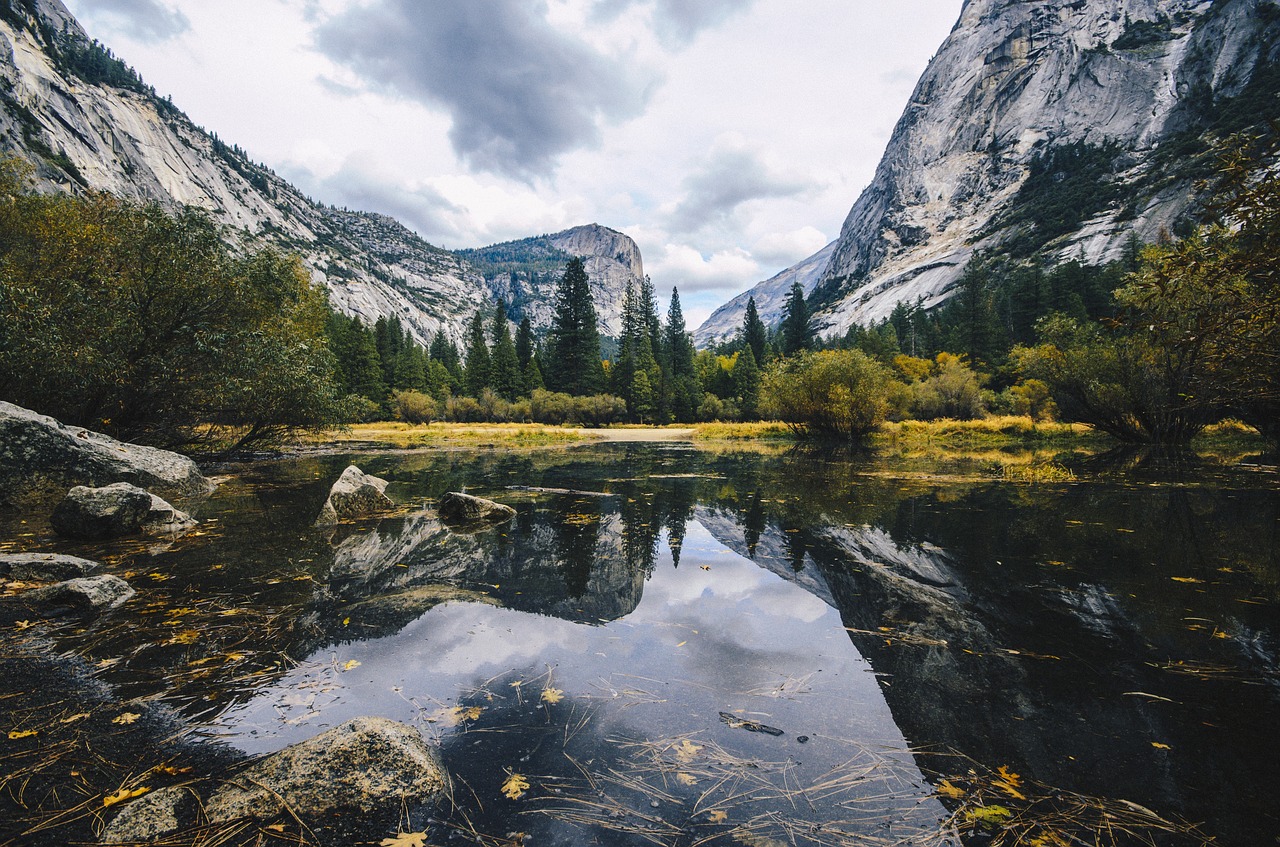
758, 430
1037, 472
394, 434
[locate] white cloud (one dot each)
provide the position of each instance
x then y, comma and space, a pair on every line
787, 248
684, 267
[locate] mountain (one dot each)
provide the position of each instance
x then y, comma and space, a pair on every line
525, 272
771, 296
88, 122
1050, 130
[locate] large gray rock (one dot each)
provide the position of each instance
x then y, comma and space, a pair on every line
44, 566
107, 512
368, 764
355, 495
39, 455
464, 509
87, 595
115, 510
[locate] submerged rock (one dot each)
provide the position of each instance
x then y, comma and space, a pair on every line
355, 495
368, 764
44, 566
152, 816
40, 456
87, 595
464, 509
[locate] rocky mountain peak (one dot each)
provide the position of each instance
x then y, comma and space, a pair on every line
1053, 129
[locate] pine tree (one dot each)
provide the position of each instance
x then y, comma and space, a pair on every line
359, 368
575, 340
524, 343
746, 384
476, 377
504, 367
681, 379
755, 335
795, 331
649, 308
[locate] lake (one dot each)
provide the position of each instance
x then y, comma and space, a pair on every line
684, 646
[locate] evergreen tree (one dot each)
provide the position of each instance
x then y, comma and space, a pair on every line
682, 381
795, 331
746, 384
533, 376
755, 335
623, 371
649, 308
524, 343
359, 368
575, 339
476, 378
504, 367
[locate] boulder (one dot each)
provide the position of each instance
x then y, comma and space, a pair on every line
44, 566
152, 816
355, 495
95, 513
465, 509
115, 510
40, 456
87, 594
367, 764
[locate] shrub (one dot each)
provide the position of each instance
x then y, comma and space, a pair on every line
413, 407
953, 391
840, 394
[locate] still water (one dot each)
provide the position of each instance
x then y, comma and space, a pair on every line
679, 646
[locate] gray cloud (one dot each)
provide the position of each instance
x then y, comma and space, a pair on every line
729, 178
144, 20
677, 22
520, 91
358, 187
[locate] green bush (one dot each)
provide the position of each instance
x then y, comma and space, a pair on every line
841, 394
413, 407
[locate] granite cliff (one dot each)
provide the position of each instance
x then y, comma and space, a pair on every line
1051, 130
88, 122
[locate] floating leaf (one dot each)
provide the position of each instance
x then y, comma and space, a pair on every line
515, 786
350, 665
405, 839
1188, 579
75, 718
188, 636
991, 816
23, 624
126, 718
15, 734
686, 750
1008, 782
346, 621
718, 816
686, 779
452, 716
1159, 746
552, 695
122, 795
946, 789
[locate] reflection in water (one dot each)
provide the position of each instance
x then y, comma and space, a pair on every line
1116, 637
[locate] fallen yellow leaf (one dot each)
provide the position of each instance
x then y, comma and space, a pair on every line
686, 750
1159, 746
718, 816
187, 636
75, 718
122, 795
515, 786
946, 789
23, 624
1187, 579
686, 779
15, 734
351, 665
552, 695
126, 718
405, 839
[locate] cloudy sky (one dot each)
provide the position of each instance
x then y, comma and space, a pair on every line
727, 137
